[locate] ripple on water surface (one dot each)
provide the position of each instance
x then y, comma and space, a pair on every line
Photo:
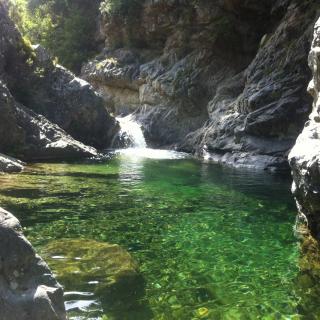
211, 242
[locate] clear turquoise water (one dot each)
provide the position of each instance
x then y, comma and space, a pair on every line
211, 242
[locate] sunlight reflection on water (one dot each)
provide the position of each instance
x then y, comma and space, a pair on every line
148, 153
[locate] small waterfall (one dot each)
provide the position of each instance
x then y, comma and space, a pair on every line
131, 144
131, 134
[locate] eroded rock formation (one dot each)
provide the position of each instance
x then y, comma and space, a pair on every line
224, 79
28, 289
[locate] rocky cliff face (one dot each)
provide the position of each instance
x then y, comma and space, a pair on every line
225, 79
28, 289
46, 112
305, 163
305, 156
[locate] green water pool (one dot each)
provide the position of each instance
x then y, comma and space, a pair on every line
211, 242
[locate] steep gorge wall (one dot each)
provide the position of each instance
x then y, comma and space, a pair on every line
222, 79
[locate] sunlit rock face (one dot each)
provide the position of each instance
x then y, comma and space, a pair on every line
223, 79
28, 289
305, 156
9, 164
305, 163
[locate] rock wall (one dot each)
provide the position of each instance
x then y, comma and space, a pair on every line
224, 79
46, 112
305, 156
28, 289
305, 163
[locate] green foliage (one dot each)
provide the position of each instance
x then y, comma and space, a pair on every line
74, 40
26, 48
65, 27
37, 26
121, 7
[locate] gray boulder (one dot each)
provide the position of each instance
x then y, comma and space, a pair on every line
28, 290
29, 136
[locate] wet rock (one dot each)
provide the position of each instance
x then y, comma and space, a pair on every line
118, 283
28, 289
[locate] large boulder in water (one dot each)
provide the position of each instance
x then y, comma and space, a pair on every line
28, 290
77, 262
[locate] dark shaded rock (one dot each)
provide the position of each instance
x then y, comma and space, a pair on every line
28, 289
72, 104
29, 136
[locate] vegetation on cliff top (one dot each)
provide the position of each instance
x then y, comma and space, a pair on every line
67, 28
121, 7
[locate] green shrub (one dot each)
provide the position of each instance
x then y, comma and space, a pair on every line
121, 7
67, 28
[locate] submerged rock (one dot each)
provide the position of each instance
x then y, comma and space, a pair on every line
28, 289
118, 283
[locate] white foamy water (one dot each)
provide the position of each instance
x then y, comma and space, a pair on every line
149, 153
131, 130
132, 134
